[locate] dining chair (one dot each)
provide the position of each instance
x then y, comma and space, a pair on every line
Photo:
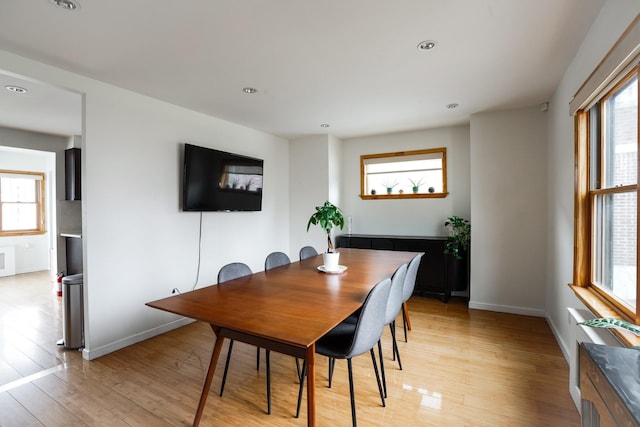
394, 305
307, 252
409, 285
276, 259
348, 340
228, 272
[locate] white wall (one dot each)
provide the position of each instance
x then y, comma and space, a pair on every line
508, 211
311, 184
419, 217
613, 19
36, 152
137, 244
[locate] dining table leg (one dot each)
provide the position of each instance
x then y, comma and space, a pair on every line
207, 381
311, 385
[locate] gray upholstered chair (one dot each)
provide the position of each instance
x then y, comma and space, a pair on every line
307, 252
348, 340
276, 259
409, 285
228, 272
394, 305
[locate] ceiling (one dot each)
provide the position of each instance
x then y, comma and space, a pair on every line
352, 64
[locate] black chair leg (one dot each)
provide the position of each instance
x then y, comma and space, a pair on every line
384, 377
332, 364
304, 372
257, 358
226, 367
268, 354
395, 343
351, 393
393, 356
404, 324
375, 369
298, 369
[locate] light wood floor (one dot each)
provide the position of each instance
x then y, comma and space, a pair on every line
461, 368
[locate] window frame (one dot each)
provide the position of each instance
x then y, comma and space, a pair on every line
438, 195
585, 198
40, 206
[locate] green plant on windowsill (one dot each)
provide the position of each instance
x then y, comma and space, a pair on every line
415, 185
459, 236
389, 184
327, 217
608, 323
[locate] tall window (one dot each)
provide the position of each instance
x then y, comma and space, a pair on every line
608, 131
406, 174
21, 203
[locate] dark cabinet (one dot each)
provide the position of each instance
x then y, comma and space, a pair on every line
609, 384
432, 277
72, 190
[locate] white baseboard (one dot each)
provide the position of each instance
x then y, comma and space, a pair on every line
525, 311
94, 353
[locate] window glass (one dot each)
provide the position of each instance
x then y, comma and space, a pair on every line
621, 136
613, 171
615, 243
21, 202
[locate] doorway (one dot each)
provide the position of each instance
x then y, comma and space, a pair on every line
35, 131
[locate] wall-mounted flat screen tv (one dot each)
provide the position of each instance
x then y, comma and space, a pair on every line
215, 180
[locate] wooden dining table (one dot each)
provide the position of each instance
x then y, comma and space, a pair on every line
286, 309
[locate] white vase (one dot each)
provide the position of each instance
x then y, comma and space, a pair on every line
331, 260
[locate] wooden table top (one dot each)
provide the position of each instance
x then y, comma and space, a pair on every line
295, 304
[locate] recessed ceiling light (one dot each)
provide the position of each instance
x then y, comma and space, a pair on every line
426, 45
452, 105
16, 89
324, 125
249, 90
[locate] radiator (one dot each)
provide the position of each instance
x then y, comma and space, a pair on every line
7, 261
581, 334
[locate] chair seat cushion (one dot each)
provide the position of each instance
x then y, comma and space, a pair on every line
337, 342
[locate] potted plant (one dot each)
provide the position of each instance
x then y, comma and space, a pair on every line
459, 236
415, 185
389, 184
327, 217
457, 247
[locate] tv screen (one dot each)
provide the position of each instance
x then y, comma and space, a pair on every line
219, 181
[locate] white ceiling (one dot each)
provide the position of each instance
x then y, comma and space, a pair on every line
352, 64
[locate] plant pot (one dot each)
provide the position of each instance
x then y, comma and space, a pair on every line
331, 260
415, 189
458, 272
389, 190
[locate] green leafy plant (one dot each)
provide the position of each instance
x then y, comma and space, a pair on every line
459, 236
612, 323
417, 183
327, 217
389, 183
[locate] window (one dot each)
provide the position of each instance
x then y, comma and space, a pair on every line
21, 203
606, 222
407, 174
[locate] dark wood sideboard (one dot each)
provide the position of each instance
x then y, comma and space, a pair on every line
435, 276
609, 385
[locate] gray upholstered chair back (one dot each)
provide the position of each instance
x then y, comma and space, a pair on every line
307, 252
371, 321
276, 259
233, 271
410, 277
395, 295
